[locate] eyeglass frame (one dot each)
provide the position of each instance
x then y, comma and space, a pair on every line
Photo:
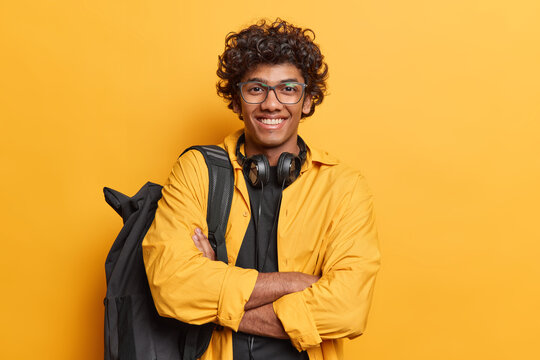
273, 88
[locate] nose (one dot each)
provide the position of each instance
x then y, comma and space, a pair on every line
271, 103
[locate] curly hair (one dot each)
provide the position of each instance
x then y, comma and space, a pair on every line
271, 43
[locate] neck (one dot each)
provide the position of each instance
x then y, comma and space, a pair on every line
272, 154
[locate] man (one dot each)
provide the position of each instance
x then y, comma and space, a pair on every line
301, 239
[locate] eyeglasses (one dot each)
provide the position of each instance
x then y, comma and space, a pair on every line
256, 92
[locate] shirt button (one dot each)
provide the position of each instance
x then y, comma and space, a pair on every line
245, 214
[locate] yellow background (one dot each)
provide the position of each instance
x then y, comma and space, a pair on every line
437, 102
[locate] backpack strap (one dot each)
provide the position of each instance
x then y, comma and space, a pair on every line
220, 191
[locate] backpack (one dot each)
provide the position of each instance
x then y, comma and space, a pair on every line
133, 328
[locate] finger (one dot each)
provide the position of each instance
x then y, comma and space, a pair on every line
203, 241
201, 238
197, 243
208, 249
201, 248
200, 234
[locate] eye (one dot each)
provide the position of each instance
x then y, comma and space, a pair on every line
255, 88
289, 88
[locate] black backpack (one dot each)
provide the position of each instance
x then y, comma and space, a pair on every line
133, 328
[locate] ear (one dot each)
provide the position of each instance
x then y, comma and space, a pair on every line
236, 107
306, 106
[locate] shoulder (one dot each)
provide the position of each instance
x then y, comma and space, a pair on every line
189, 172
189, 163
336, 176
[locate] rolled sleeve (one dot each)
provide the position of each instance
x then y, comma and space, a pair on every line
232, 298
297, 321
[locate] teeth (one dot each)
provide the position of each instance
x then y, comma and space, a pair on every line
271, 121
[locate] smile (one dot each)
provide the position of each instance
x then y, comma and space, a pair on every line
271, 121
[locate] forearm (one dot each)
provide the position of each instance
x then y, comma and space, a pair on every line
260, 318
262, 321
271, 286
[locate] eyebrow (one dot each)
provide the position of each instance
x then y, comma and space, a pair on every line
265, 81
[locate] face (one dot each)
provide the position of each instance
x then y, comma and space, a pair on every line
272, 126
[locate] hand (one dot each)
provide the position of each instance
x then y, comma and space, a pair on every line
202, 243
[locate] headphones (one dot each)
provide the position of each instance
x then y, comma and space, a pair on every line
257, 169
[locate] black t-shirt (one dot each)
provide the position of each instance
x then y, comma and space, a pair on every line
261, 254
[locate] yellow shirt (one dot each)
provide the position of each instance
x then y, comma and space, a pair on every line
326, 227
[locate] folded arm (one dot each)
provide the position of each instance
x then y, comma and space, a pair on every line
260, 318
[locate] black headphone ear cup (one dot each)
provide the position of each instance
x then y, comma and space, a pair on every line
295, 168
257, 170
288, 168
264, 169
283, 166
